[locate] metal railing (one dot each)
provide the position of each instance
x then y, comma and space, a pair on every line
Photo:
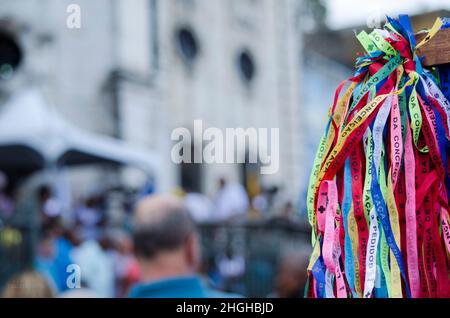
259, 244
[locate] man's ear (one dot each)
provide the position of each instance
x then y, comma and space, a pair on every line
192, 250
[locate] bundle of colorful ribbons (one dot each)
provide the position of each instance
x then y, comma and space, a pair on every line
378, 199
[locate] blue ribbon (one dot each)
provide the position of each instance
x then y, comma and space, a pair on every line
346, 204
318, 271
383, 215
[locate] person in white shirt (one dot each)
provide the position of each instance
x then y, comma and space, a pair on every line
199, 206
231, 201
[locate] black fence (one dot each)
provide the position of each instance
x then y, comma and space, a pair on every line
253, 250
256, 246
16, 250
18, 238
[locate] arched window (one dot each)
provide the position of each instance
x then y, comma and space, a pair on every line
246, 65
187, 44
10, 55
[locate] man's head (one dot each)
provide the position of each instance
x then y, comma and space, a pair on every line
164, 236
291, 277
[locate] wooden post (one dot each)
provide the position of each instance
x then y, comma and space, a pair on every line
437, 50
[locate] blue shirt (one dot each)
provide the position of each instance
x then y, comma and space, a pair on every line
178, 287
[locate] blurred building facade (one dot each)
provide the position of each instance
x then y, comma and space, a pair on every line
138, 69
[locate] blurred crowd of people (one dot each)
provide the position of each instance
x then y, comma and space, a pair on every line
155, 251
103, 253
232, 202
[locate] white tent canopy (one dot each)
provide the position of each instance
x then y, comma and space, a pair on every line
27, 122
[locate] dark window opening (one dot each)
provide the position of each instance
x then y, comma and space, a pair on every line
187, 44
191, 175
10, 55
247, 67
